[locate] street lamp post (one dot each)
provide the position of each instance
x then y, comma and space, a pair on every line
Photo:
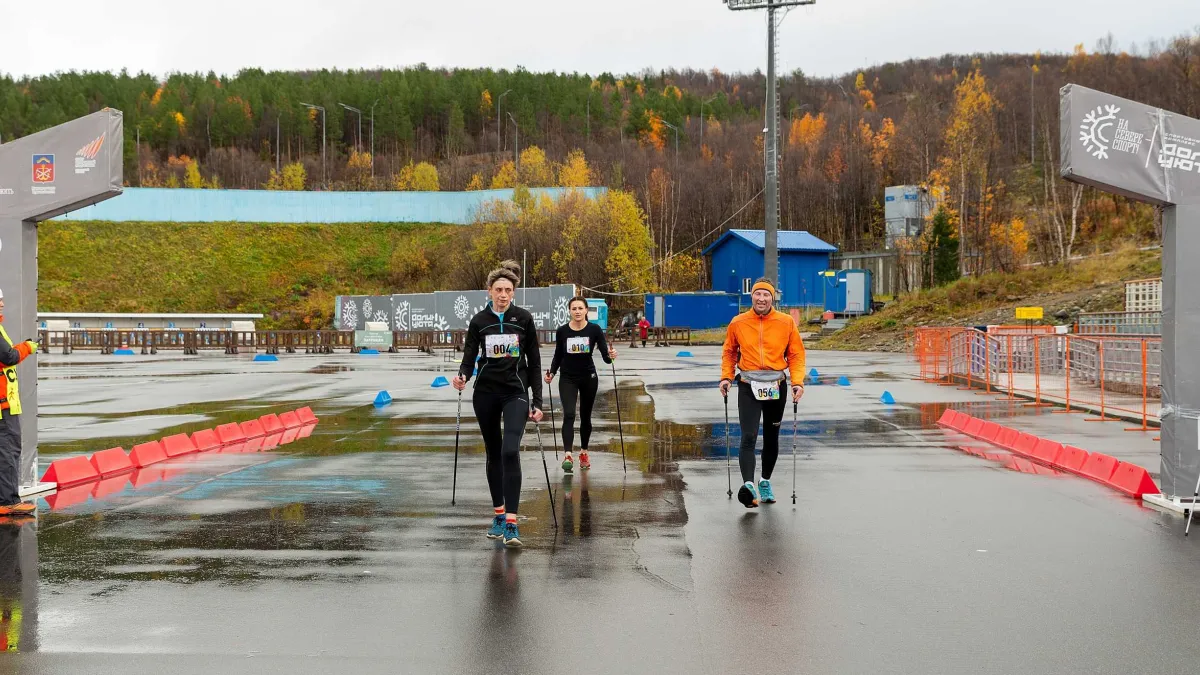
373, 138
676, 130
499, 117
324, 180
516, 142
358, 139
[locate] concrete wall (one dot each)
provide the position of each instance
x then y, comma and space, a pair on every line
263, 206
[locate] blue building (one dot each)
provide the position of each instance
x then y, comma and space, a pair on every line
737, 260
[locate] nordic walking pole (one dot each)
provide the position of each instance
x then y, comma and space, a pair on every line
457, 429
549, 490
553, 431
620, 425
728, 469
795, 411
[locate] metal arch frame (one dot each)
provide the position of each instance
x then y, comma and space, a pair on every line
738, 5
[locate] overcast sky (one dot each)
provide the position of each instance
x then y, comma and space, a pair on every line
834, 37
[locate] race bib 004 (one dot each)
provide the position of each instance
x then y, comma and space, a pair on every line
502, 346
579, 345
765, 391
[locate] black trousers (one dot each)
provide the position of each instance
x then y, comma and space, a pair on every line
750, 411
503, 445
581, 389
10, 458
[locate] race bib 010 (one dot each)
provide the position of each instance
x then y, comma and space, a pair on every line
502, 346
579, 345
765, 391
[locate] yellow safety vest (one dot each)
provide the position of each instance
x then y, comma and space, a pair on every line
10, 380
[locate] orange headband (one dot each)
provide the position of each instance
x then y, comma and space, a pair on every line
763, 286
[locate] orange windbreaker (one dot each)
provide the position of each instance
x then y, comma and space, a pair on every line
770, 342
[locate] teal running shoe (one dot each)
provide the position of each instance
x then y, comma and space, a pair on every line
496, 531
747, 496
512, 538
765, 493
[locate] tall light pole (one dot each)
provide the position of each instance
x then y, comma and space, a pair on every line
324, 180
357, 140
702, 121
771, 144
499, 118
373, 138
516, 142
674, 128
589, 116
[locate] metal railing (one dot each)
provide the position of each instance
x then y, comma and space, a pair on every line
1107, 374
1119, 323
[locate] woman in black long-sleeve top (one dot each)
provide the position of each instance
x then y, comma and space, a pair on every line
576, 341
505, 333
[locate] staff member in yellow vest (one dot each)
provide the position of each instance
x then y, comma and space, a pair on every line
10, 423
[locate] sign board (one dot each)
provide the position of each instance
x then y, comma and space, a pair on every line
1029, 313
417, 311
352, 312
458, 307
1129, 148
374, 339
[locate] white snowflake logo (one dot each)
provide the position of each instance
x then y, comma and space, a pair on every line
349, 315
1092, 130
367, 308
561, 312
440, 322
461, 307
402, 315
380, 316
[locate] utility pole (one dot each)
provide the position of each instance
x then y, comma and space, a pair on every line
499, 117
516, 142
277, 142
358, 140
324, 180
373, 139
771, 131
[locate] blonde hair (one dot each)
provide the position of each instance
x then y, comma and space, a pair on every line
509, 269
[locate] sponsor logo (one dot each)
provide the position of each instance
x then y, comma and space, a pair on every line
1098, 136
1179, 152
43, 168
4, 192
85, 159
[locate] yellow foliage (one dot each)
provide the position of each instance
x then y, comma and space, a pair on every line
191, 176
706, 154
712, 125
425, 178
860, 82
180, 122
575, 171
656, 133
835, 164
641, 89
683, 273
485, 103
630, 259
673, 91
158, 93
535, 170
1010, 241
359, 161
475, 184
506, 177
807, 132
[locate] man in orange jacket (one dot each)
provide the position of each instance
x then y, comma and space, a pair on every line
10, 421
765, 345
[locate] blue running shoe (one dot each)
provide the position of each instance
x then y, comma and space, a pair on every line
511, 536
496, 531
747, 496
766, 494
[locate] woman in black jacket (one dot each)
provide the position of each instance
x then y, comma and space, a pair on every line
505, 333
575, 343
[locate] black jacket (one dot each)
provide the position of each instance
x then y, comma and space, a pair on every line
578, 364
498, 372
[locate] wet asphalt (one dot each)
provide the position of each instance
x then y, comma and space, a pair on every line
341, 550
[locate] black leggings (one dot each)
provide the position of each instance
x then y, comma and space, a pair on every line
750, 410
583, 388
503, 448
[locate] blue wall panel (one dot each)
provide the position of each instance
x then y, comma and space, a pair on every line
263, 206
799, 272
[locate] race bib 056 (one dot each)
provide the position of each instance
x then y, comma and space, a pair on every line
579, 345
503, 346
765, 391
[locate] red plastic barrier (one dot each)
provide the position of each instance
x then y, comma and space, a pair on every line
290, 420
206, 440
978, 452
289, 436
1133, 480
1007, 438
973, 427
1024, 444
253, 444
1099, 467
306, 431
143, 477
106, 487
306, 415
271, 442
1071, 459
1046, 450
271, 423
990, 431
230, 433
179, 444
232, 449
111, 462
146, 454
253, 429
946, 418
69, 497
70, 471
